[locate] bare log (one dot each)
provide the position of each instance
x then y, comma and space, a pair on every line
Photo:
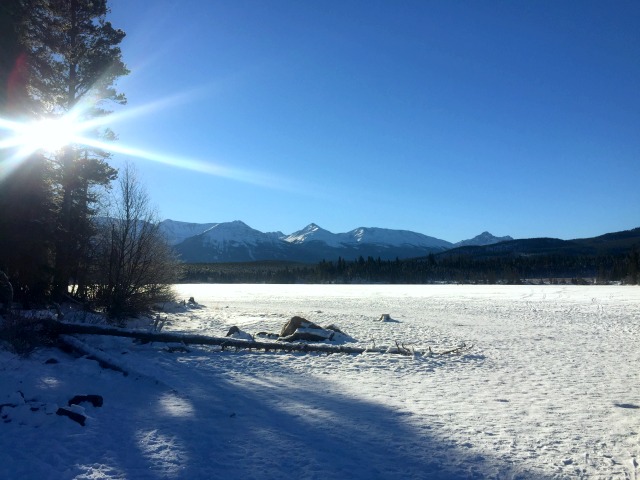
458, 349
61, 328
102, 358
223, 342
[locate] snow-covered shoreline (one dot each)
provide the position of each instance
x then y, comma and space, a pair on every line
550, 390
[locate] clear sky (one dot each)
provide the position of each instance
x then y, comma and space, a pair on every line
443, 117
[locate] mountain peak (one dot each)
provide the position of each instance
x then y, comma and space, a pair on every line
230, 230
313, 232
237, 241
176, 231
397, 238
312, 227
485, 238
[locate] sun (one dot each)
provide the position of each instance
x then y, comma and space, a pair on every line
48, 135
20, 140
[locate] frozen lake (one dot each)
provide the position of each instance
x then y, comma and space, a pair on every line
543, 390
550, 389
551, 386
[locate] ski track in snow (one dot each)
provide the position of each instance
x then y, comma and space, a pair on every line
549, 390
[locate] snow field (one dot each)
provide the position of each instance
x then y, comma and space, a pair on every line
549, 390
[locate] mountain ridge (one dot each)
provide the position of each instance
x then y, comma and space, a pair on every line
485, 238
238, 242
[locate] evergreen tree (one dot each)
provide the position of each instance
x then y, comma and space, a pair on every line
74, 62
26, 191
15, 102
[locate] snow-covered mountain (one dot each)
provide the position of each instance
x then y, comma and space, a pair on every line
232, 242
177, 232
395, 238
365, 235
485, 238
313, 233
235, 232
237, 242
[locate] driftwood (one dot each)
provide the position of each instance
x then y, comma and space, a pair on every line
226, 342
76, 417
102, 358
458, 349
187, 339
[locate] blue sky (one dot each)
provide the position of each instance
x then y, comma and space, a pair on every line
442, 117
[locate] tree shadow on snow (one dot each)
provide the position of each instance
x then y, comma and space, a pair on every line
221, 423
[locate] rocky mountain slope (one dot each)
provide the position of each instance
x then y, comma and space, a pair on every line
237, 242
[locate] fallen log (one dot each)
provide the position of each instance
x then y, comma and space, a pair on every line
99, 356
224, 342
191, 339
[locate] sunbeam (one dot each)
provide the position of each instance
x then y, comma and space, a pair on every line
209, 168
22, 139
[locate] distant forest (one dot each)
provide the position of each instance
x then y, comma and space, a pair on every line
550, 268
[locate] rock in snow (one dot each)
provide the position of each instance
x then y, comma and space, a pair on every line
299, 328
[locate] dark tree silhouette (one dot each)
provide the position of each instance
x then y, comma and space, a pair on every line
135, 266
74, 61
62, 57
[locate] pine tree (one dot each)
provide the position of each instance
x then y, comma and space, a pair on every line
26, 191
74, 62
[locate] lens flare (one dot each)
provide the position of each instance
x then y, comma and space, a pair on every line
48, 135
20, 140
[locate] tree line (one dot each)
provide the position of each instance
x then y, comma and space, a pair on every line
551, 268
71, 225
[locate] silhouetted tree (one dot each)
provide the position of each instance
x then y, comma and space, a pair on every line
135, 266
27, 207
74, 60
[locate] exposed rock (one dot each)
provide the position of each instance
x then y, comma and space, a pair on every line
299, 328
294, 324
235, 332
338, 335
385, 317
76, 417
232, 330
95, 400
333, 328
309, 334
272, 336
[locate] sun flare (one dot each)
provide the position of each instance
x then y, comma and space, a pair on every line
48, 135
20, 140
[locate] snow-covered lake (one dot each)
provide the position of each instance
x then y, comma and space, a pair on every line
550, 389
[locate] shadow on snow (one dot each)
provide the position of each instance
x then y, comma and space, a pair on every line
230, 424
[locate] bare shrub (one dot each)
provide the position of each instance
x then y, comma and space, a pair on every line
23, 334
135, 267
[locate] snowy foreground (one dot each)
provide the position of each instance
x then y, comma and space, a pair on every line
550, 389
